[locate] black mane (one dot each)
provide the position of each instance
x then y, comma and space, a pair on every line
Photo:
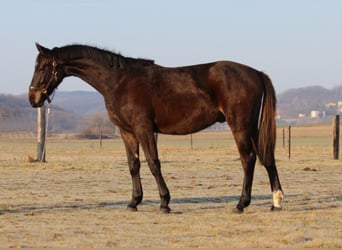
105, 57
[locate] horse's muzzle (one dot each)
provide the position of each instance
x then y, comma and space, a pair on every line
36, 98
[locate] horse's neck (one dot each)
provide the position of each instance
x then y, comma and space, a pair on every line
93, 73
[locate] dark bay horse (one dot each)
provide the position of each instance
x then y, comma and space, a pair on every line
142, 98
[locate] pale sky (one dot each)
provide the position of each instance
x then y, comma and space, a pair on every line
297, 43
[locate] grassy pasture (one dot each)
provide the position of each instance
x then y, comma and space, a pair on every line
78, 198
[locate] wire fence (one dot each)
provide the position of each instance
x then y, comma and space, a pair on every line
18, 134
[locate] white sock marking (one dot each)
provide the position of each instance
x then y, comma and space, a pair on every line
278, 197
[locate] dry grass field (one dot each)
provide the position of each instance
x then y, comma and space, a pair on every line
79, 197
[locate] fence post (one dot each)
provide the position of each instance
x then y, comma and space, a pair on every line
41, 135
336, 136
289, 141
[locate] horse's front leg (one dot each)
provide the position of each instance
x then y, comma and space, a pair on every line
132, 150
148, 143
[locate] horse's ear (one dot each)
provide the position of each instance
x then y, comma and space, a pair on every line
42, 49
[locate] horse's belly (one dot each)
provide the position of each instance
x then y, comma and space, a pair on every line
186, 121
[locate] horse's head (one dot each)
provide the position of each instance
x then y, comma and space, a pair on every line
47, 76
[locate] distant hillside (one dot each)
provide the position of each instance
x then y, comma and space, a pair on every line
80, 102
16, 114
293, 102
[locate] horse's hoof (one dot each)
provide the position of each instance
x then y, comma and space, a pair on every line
165, 210
131, 209
274, 209
237, 210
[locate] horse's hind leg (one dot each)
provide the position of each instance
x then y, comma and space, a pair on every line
278, 194
132, 150
248, 158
